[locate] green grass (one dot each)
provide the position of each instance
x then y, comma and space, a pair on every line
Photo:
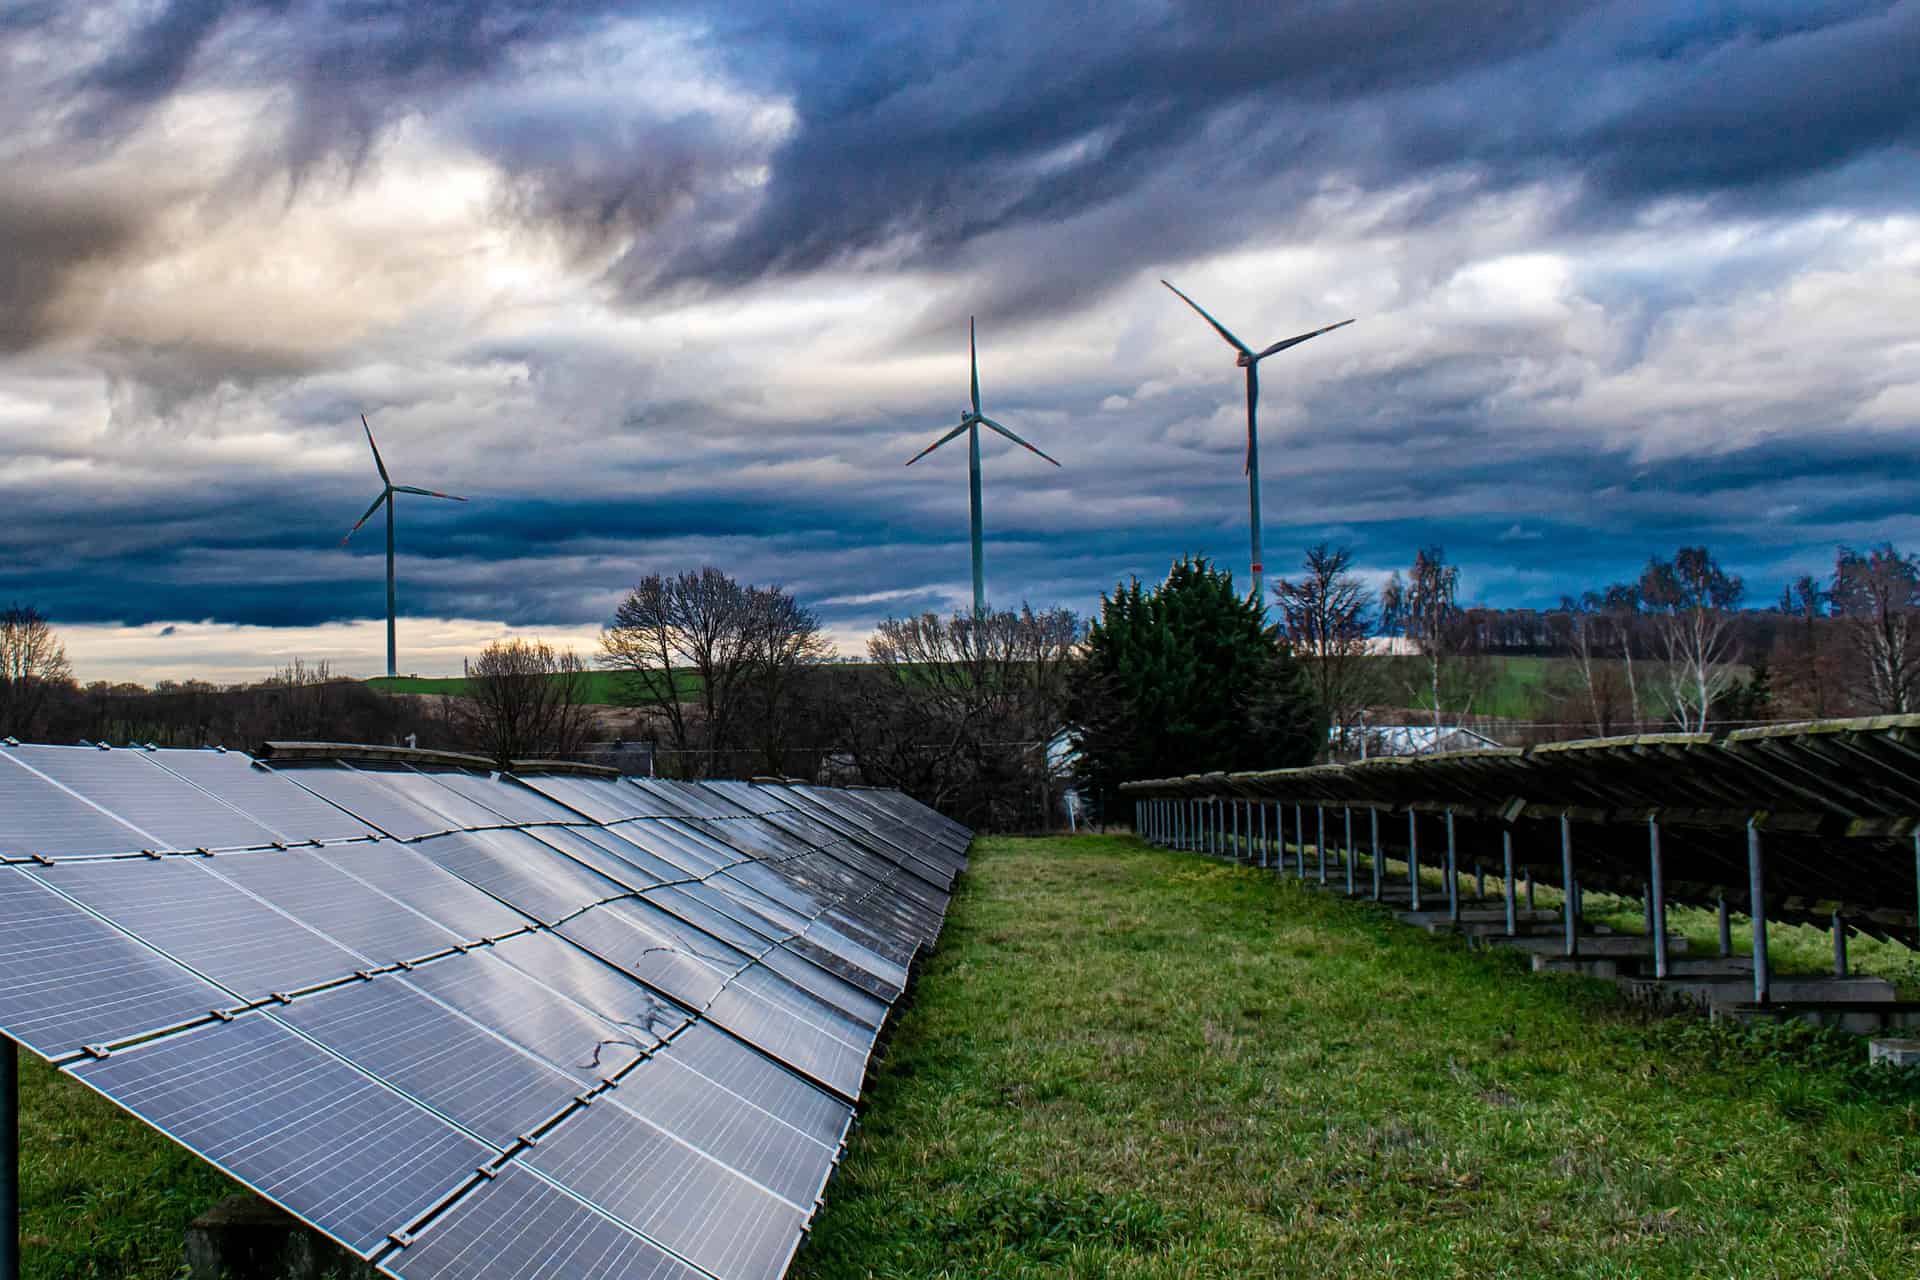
1133, 1063
604, 688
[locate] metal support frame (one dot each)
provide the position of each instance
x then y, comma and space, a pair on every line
1453, 875
1506, 854
1350, 888
1656, 899
1264, 850
1413, 860
1839, 945
1568, 891
1916, 887
1376, 853
1320, 840
1530, 903
1299, 842
1757, 888
9, 1159
1726, 925
1480, 881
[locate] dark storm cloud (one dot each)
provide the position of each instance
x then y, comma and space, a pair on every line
47, 243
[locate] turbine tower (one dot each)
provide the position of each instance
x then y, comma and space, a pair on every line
1249, 360
971, 420
387, 490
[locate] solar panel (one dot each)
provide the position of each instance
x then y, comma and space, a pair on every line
434, 1055
208, 924
142, 794
522, 1225
707, 1213
68, 979
462, 1025
284, 1116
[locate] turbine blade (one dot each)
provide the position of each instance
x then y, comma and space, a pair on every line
973, 354
1218, 328
1016, 439
1294, 342
376, 452
427, 493
964, 424
386, 495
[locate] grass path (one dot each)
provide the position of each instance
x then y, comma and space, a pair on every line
1128, 1062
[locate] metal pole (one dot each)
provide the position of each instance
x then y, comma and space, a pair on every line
1299, 843
1657, 898
1413, 861
1453, 875
1530, 904
1350, 889
392, 663
1376, 853
1253, 486
1480, 881
1506, 852
1726, 926
1916, 884
1264, 850
1757, 888
1320, 840
9, 1159
1839, 945
1567, 890
973, 501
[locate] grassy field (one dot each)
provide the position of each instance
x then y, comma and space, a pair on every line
1132, 1063
1126, 1062
603, 687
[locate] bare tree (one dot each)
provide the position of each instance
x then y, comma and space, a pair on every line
1588, 633
784, 643
1692, 602
1424, 606
1326, 617
1878, 593
1806, 601
961, 712
1623, 605
690, 634
525, 700
33, 667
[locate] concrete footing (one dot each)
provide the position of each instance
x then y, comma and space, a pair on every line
245, 1238
1710, 990
1894, 1052
1862, 1018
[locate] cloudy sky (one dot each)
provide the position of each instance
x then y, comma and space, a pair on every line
661, 284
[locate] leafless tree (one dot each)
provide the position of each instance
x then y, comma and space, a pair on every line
1806, 601
1589, 627
961, 712
1623, 605
716, 661
33, 667
1877, 593
785, 642
1424, 606
1326, 616
1692, 601
525, 700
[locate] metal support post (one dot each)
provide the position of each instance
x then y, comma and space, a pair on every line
1376, 853
1916, 884
1656, 899
1726, 926
1320, 840
1757, 891
1568, 891
1263, 834
1506, 853
1530, 905
1480, 881
1299, 843
1453, 875
9, 1159
1839, 945
1413, 860
1350, 889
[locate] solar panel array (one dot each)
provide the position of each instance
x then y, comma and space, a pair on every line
472, 1024
1835, 804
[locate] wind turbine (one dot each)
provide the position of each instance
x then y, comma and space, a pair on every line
1249, 360
388, 489
971, 420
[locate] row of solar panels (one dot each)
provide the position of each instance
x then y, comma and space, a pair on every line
472, 1024
1835, 805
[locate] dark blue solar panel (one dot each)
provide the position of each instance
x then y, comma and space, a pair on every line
263, 795
68, 980
294, 1123
37, 817
521, 1225
318, 894
520, 871
205, 922
421, 1047
761, 1081
696, 1206
396, 870
134, 789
